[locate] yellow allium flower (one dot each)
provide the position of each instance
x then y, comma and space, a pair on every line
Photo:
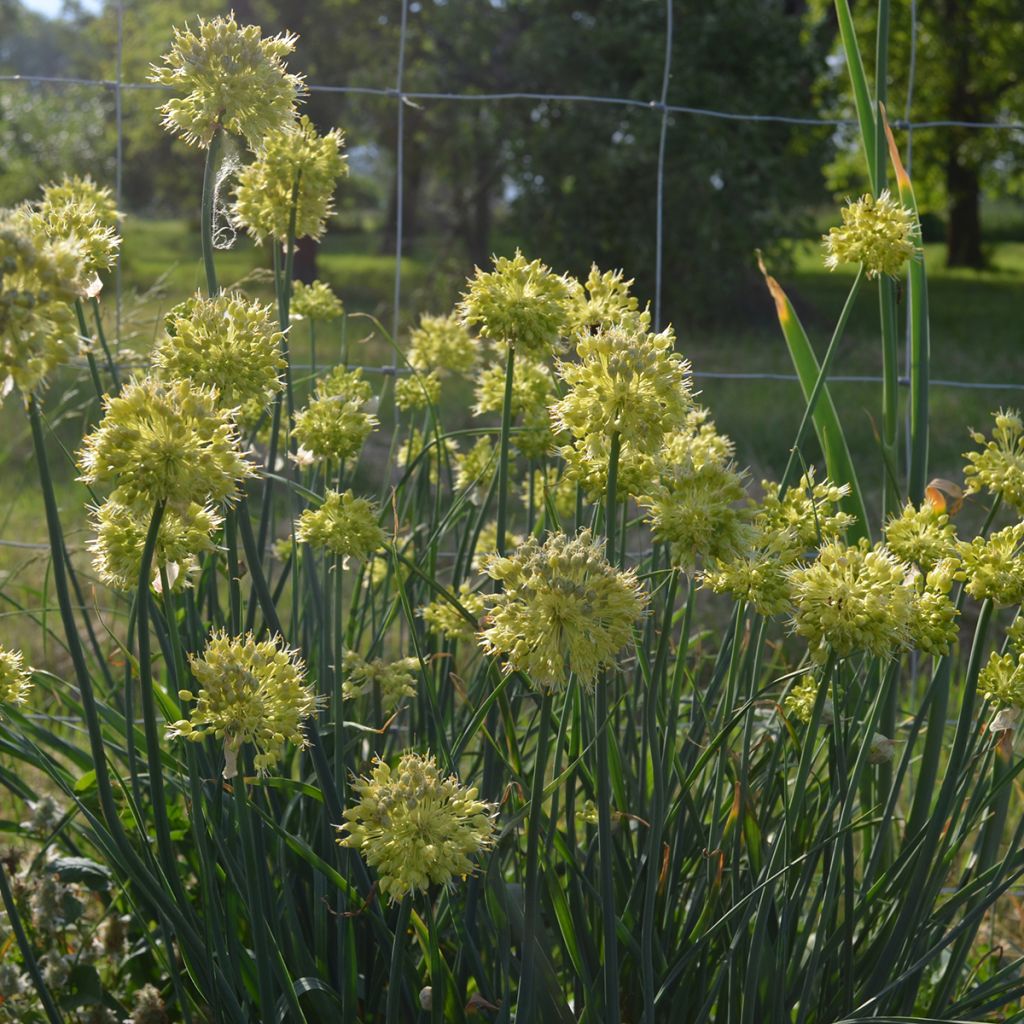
1002, 680
396, 679
444, 619
877, 233
760, 576
933, 618
475, 466
519, 303
79, 208
314, 301
165, 441
337, 420
922, 536
417, 391
15, 680
418, 451
344, 524
994, 567
442, 343
225, 343
416, 828
999, 466
602, 301
39, 279
809, 512
801, 699
121, 536
249, 692
292, 157
586, 463
625, 381
562, 609
232, 78
487, 543
852, 598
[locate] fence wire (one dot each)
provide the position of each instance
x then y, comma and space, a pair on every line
659, 106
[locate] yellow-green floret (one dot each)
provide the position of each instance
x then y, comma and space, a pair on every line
418, 391
314, 301
876, 233
800, 701
519, 303
442, 343
297, 168
442, 618
473, 465
226, 343
999, 467
165, 441
344, 524
415, 827
922, 536
249, 691
1002, 681
601, 301
79, 208
533, 388
994, 567
15, 679
395, 679
809, 512
562, 609
232, 78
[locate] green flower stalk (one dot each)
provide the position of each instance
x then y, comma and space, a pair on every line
443, 619
120, 538
418, 391
852, 599
993, 567
79, 208
39, 280
15, 679
922, 536
999, 467
627, 382
562, 609
549, 484
295, 166
315, 301
225, 343
232, 78
344, 524
416, 828
520, 303
165, 441
603, 301
338, 419
876, 233
249, 692
442, 343
395, 679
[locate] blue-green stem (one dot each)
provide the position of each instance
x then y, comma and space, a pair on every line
206, 222
506, 430
395, 986
527, 989
437, 979
102, 335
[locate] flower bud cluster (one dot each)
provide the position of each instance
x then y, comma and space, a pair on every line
337, 420
15, 679
415, 827
999, 467
602, 301
79, 208
443, 619
922, 536
314, 301
442, 343
344, 524
562, 610
418, 391
876, 233
395, 679
993, 567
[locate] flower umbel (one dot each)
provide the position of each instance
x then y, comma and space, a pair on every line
79, 208
999, 467
344, 524
442, 343
414, 827
294, 161
249, 692
232, 79
876, 233
993, 566
15, 680
562, 609
314, 301
396, 679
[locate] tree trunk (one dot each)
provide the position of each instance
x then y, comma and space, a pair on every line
304, 262
963, 235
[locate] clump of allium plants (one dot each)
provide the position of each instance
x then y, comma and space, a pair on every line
560, 715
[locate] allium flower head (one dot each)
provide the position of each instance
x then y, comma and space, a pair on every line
519, 303
121, 536
396, 679
15, 680
877, 233
602, 301
801, 699
994, 567
933, 616
418, 391
473, 467
442, 618
562, 609
226, 343
314, 301
999, 466
759, 577
232, 78
79, 208
442, 343
165, 441
1002, 680
344, 524
338, 419
851, 599
39, 279
487, 543
533, 389
292, 161
626, 382
922, 536
808, 513
416, 828
249, 692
